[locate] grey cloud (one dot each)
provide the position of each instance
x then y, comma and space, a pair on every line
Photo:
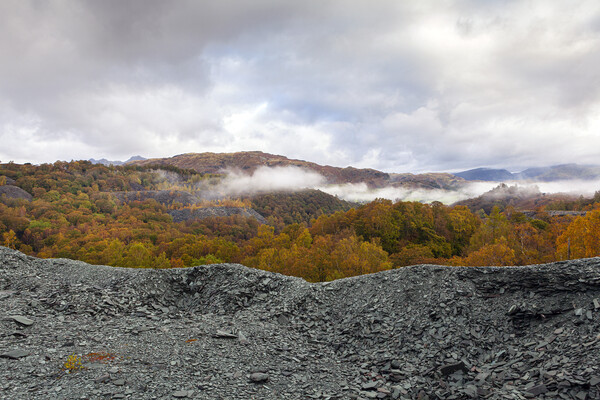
401, 86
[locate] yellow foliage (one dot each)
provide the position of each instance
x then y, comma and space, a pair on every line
10, 239
73, 363
496, 254
582, 236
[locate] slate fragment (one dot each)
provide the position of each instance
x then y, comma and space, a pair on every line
21, 320
224, 335
259, 377
449, 369
15, 354
537, 390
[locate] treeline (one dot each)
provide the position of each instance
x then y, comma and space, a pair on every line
285, 208
74, 215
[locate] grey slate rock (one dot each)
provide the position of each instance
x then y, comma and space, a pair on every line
390, 331
537, 390
259, 377
225, 335
15, 354
21, 320
450, 369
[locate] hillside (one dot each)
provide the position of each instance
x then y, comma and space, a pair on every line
433, 180
523, 198
542, 174
297, 207
225, 331
486, 174
249, 161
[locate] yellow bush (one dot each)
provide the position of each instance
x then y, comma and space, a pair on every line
73, 363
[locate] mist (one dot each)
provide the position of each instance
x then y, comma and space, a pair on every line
269, 179
361, 193
289, 179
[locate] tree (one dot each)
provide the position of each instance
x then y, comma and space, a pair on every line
582, 236
9, 239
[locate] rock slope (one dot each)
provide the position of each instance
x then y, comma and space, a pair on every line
187, 214
14, 192
71, 330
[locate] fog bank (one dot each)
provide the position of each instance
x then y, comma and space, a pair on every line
290, 178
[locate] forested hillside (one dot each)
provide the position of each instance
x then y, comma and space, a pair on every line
77, 211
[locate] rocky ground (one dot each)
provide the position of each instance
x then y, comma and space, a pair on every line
187, 214
14, 192
69, 330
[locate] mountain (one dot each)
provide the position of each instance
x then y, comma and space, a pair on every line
104, 161
545, 174
74, 330
486, 174
249, 161
561, 172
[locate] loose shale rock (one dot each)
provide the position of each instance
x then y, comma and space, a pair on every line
216, 332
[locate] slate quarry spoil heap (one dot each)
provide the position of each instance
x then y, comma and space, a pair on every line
75, 331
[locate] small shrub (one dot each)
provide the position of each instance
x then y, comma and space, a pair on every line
73, 363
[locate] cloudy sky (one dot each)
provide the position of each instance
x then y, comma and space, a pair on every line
401, 86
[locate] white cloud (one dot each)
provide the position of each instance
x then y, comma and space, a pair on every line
399, 86
265, 179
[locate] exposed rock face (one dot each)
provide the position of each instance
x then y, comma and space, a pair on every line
187, 214
14, 192
229, 332
166, 197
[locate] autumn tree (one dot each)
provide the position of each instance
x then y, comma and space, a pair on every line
582, 237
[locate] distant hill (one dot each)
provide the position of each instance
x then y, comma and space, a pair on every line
213, 163
433, 180
545, 174
486, 174
561, 172
521, 198
104, 161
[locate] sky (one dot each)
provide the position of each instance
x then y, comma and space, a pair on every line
399, 86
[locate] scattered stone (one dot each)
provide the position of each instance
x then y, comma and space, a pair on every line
119, 382
449, 369
225, 335
537, 390
180, 394
102, 378
21, 320
259, 377
15, 354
